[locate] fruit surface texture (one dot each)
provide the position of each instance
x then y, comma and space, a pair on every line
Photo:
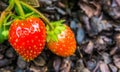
28, 37
66, 44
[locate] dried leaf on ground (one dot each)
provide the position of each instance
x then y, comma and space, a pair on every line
91, 8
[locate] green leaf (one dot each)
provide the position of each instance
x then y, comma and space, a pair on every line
26, 10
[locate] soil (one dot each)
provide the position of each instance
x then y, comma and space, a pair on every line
96, 25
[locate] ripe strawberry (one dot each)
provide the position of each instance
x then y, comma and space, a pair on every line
65, 44
28, 37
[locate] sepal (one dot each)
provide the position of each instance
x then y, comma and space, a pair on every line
58, 27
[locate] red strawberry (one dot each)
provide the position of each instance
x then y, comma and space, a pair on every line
28, 37
65, 44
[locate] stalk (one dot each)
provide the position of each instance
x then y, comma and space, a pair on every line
6, 12
40, 14
17, 2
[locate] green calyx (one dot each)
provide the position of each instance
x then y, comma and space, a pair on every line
57, 28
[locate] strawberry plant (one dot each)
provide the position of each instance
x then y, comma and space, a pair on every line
27, 33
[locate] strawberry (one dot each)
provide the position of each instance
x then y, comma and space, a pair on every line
27, 37
61, 40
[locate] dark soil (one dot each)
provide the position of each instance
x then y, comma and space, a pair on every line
96, 25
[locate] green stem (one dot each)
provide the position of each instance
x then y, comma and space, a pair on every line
6, 19
6, 12
41, 15
17, 2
